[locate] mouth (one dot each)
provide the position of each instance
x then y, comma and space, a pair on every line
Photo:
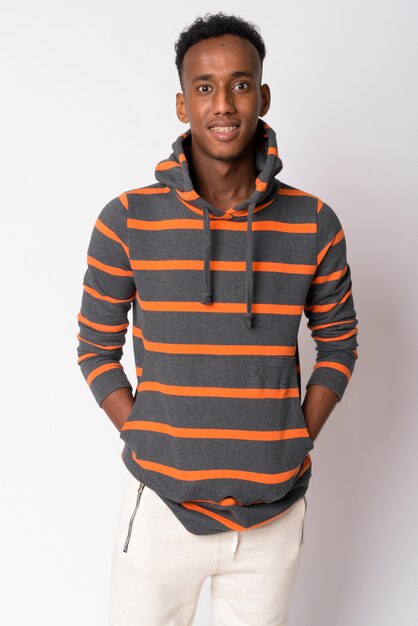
224, 133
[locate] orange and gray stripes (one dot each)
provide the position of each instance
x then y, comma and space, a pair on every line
108, 293
217, 428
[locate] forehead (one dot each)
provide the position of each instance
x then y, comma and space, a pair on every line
217, 55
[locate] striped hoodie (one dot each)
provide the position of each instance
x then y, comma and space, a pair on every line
217, 429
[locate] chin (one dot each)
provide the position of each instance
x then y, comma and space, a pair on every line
227, 158
227, 155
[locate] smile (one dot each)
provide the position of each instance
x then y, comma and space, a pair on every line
224, 133
223, 129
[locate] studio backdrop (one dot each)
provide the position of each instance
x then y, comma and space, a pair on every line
87, 111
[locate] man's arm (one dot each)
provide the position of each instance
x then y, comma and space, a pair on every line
109, 290
332, 319
118, 405
317, 406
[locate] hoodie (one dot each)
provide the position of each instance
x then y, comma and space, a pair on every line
217, 429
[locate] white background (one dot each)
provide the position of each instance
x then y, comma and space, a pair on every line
88, 91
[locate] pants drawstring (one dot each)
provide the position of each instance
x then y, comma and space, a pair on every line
234, 542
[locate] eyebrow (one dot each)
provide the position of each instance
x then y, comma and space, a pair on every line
237, 74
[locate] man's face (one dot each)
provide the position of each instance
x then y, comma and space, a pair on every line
222, 96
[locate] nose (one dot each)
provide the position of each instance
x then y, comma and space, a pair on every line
223, 102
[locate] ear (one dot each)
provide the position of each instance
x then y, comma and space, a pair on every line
265, 99
181, 108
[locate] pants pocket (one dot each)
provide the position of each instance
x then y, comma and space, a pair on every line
134, 512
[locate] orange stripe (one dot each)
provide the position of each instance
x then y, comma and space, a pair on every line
99, 296
105, 230
86, 356
220, 392
165, 224
319, 205
306, 463
106, 328
338, 337
260, 185
149, 190
228, 213
336, 366
224, 266
333, 276
330, 324
294, 192
283, 227
182, 157
97, 345
192, 348
217, 433
338, 237
324, 308
167, 165
220, 307
227, 522
257, 477
124, 200
188, 195
228, 501
225, 350
191, 224
272, 150
109, 269
139, 371
137, 332
101, 370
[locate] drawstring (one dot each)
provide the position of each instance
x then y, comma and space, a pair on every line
207, 287
249, 316
235, 542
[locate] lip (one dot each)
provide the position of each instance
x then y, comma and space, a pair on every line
224, 135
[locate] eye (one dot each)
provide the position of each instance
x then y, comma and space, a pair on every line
241, 86
203, 88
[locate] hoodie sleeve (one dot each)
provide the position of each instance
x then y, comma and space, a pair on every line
330, 309
108, 292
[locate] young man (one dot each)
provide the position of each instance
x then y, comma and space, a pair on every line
219, 259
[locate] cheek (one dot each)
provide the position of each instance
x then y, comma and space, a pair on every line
198, 112
250, 107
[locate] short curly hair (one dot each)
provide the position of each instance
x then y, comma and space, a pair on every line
216, 25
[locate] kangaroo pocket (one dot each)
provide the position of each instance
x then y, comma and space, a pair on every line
219, 429
130, 421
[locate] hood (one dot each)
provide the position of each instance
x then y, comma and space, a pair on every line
174, 172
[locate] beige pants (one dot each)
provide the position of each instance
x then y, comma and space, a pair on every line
158, 567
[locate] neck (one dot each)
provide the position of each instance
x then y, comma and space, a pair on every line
224, 184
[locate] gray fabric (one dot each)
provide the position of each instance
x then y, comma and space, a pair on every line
217, 428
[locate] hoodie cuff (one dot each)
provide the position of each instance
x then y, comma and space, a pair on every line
102, 388
336, 382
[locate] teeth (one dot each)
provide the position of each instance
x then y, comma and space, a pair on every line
224, 129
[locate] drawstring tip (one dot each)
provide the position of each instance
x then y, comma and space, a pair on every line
206, 299
235, 542
248, 321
